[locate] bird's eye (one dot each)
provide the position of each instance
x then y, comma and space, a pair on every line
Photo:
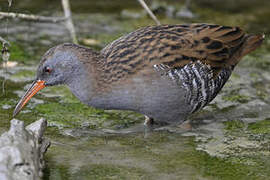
47, 70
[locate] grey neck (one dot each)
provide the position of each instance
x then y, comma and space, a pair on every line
84, 87
81, 85
115, 99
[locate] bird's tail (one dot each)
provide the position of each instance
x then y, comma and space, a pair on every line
251, 43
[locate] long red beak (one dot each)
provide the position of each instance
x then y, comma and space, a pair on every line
35, 87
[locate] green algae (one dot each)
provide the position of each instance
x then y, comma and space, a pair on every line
70, 112
252, 114
234, 125
212, 167
7, 98
259, 62
143, 158
261, 127
23, 74
103, 171
18, 53
234, 96
173, 161
261, 91
93, 171
75, 114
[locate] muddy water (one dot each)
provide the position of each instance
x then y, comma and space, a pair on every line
231, 136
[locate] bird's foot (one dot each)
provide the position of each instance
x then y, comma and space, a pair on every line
148, 126
186, 125
148, 121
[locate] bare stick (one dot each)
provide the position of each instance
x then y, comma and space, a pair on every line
4, 41
31, 17
9, 3
5, 57
69, 23
144, 5
187, 4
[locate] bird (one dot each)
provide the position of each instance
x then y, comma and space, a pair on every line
165, 72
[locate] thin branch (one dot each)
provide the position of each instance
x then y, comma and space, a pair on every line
187, 4
32, 17
4, 41
69, 23
9, 3
144, 5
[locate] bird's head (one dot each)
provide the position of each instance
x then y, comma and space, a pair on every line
58, 66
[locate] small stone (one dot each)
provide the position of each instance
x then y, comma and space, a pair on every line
185, 12
170, 11
45, 42
9, 64
6, 106
91, 42
132, 14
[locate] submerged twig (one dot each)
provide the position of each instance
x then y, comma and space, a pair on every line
3, 86
144, 5
69, 22
5, 52
5, 57
32, 17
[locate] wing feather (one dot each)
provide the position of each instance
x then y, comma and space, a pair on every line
174, 46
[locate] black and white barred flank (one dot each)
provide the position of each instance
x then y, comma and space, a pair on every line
198, 80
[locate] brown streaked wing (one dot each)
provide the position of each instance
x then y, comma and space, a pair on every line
174, 46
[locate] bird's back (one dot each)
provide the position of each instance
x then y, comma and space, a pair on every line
176, 46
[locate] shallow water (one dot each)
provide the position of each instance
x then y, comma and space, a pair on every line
231, 136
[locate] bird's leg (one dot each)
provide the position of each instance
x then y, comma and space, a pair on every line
148, 125
186, 125
148, 121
